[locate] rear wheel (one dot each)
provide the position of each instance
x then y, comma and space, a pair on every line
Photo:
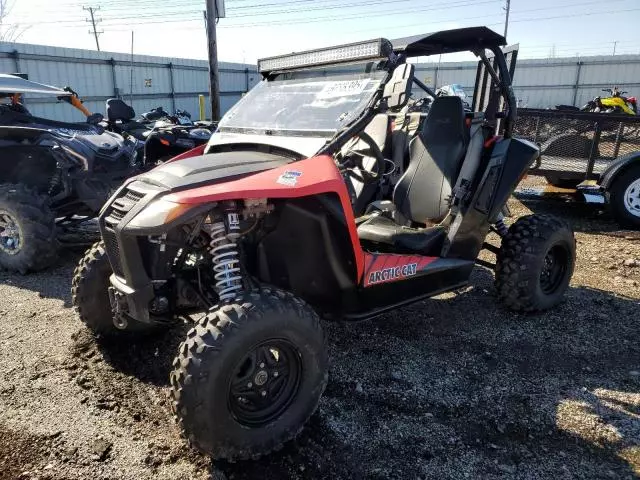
624, 197
249, 375
27, 229
535, 263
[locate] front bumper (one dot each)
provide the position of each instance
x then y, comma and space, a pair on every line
130, 302
141, 258
132, 287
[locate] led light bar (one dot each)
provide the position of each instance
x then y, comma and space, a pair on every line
372, 49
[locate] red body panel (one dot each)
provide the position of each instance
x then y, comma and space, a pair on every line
312, 176
389, 267
194, 152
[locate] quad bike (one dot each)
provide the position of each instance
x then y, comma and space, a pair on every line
161, 135
52, 175
616, 103
259, 234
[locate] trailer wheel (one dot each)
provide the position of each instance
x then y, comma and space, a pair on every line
562, 182
624, 198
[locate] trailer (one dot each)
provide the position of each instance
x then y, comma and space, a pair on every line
595, 154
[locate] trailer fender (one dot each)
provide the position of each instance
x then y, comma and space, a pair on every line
568, 145
617, 167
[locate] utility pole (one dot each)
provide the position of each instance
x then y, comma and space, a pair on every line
506, 20
91, 11
214, 85
615, 44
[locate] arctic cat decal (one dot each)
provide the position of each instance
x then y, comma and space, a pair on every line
385, 268
392, 273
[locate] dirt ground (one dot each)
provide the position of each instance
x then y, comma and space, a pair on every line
455, 387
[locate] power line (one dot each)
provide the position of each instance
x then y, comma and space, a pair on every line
359, 16
191, 14
533, 19
442, 6
404, 26
91, 10
196, 14
331, 7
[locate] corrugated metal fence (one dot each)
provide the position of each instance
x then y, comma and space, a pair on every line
544, 83
144, 81
176, 83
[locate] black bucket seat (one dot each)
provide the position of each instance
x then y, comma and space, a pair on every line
422, 194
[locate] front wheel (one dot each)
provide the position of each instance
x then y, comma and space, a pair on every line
249, 375
27, 229
90, 296
535, 263
624, 197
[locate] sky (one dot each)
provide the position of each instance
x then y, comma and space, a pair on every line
259, 28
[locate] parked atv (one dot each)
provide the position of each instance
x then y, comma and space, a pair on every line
51, 173
257, 232
163, 135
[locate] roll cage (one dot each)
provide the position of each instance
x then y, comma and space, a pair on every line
493, 93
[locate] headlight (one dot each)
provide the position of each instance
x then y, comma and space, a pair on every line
159, 212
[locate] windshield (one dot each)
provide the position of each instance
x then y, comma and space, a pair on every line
310, 102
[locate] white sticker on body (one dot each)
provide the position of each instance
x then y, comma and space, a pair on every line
342, 88
289, 178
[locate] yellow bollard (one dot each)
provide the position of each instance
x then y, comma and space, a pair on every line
202, 108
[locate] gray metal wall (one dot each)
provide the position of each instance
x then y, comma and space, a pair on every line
96, 76
176, 83
543, 83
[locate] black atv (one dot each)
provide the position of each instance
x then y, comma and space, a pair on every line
162, 134
52, 174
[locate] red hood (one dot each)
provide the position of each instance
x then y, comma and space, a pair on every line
313, 176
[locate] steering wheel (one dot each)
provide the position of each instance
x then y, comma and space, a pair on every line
420, 105
366, 176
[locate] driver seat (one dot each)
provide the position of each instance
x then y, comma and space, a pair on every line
422, 194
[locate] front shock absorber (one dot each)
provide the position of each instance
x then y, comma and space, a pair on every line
226, 261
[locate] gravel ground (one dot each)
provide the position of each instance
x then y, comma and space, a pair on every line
455, 387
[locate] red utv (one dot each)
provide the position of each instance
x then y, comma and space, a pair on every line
327, 191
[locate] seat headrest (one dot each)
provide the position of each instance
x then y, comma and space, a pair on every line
118, 110
445, 119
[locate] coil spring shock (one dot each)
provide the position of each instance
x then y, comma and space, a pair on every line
54, 183
226, 263
501, 227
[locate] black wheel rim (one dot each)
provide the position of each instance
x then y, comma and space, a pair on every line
10, 234
554, 268
265, 382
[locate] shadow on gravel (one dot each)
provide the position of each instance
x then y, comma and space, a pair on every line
459, 387
147, 358
55, 282
19, 451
